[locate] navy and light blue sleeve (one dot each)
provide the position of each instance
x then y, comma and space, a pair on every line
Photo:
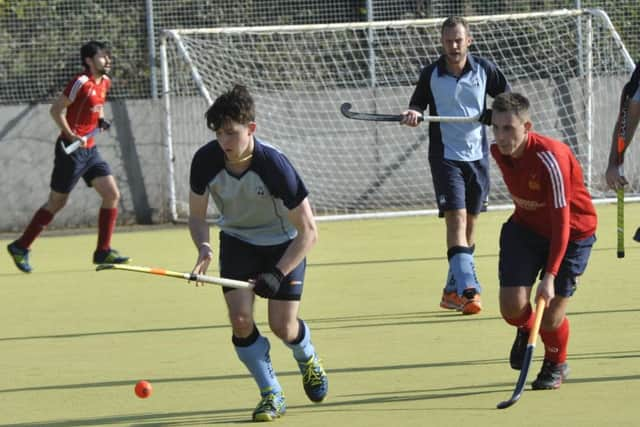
422, 96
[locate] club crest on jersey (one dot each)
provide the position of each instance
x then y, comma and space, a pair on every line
534, 184
260, 190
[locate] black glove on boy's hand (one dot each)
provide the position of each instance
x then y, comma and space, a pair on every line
268, 284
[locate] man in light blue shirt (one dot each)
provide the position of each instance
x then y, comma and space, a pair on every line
457, 84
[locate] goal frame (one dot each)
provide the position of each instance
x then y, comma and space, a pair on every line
175, 35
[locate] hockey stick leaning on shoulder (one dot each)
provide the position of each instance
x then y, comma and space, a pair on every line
229, 283
528, 357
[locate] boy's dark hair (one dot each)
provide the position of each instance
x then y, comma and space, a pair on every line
89, 50
511, 102
452, 21
236, 105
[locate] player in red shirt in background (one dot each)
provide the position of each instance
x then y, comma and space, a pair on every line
550, 233
77, 112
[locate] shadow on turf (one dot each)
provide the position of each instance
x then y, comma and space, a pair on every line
122, 332
348, 370
435, 258
128, 382
382, 320
340, 263
355, 321
338, 403
223, 416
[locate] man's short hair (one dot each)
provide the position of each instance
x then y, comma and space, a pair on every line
511, 102
236, 104
90, 49
452, 21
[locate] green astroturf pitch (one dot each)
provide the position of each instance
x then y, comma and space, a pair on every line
74, 342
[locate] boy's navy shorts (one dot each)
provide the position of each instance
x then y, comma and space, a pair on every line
240, 260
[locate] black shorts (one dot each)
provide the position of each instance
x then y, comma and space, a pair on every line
240, 260
524, 254
461, 185
69, 168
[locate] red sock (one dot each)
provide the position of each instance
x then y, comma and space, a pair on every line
556, 342
106, 225
525, 321
39, 222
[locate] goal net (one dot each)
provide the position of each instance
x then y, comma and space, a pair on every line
570, 63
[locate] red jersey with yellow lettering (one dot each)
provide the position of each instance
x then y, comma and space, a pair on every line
547, 188
87, 100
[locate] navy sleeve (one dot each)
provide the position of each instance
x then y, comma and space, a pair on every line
496, 82
283, 180
632, 85
422, 96
204, 167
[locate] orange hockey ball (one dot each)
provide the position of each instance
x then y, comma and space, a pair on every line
143, 389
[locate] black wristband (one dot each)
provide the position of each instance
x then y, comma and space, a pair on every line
103, 124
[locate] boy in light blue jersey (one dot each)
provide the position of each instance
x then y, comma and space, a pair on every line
266, 229
457, 84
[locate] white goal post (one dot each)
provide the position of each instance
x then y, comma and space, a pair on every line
570, 63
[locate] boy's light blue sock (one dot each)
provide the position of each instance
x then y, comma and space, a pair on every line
253, 351
302, 347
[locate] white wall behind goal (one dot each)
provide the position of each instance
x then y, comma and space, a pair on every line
133, 148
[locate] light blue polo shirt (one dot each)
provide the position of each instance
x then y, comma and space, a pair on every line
447, 95
253, 206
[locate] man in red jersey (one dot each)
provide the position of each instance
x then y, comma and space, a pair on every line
77, 112
551, 233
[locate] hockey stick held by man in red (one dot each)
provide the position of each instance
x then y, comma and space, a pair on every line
528, 357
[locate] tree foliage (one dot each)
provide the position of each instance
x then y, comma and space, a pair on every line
40, 39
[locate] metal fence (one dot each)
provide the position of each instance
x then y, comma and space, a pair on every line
39, 41
39, 52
